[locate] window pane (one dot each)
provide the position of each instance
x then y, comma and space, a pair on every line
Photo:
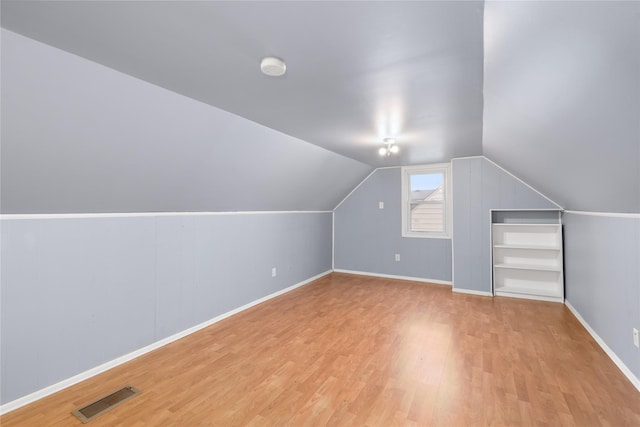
426, 181
426, 200
427, 217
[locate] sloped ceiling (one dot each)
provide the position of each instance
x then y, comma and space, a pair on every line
562, 99
357, 71
78, 137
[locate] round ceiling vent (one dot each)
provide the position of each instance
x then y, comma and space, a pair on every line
272, 66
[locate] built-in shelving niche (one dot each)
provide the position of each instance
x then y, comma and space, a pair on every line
527, 260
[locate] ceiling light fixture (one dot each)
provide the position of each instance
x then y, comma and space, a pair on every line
272, 66
390, 149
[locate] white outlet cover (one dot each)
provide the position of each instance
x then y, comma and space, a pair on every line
636, 338
274, 272
380, 205
397, 257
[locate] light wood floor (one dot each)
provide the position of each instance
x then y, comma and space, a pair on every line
352, 351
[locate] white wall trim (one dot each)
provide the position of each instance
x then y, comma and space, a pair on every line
472, 292
606, 214
417, 236
25, 400
391, 276
614, 357
452, 231
333, 239
355, 188
145, 214
468, 157
491, 272
528, 210
518, 179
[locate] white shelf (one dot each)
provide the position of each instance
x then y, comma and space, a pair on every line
528, 267
532, 247
527, 261
532, 294
527, 225
527, 291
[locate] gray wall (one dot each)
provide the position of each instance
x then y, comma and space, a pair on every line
367, 238
602, 278
81, 137
80, 292
562, 99
478, 186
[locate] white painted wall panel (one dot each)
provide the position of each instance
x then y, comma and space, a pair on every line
367, 238
602, 269
479, 186
80, 292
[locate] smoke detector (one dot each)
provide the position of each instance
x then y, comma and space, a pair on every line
272, 66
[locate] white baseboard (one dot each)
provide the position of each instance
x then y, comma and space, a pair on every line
472, 292
391, 276
25, 400
614, 357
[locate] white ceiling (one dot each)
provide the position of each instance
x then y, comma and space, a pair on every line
357, 71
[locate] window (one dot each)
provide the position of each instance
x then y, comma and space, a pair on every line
426, 201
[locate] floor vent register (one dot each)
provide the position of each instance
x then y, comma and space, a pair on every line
105, 403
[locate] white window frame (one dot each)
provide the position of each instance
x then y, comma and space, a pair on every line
407, 171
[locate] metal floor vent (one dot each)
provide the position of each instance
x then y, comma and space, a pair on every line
104, 404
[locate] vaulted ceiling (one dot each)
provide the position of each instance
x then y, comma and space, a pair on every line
549, 90
357, 72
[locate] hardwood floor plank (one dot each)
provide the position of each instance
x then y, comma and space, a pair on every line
351, 350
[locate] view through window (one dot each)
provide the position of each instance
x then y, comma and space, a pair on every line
425, 208
426, 200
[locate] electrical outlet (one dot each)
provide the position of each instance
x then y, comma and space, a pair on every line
636, 338
380, 205
274, 272
397, 257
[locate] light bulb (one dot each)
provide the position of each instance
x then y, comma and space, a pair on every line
382, 151
394, 149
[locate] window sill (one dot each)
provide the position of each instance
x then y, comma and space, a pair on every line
426, 236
